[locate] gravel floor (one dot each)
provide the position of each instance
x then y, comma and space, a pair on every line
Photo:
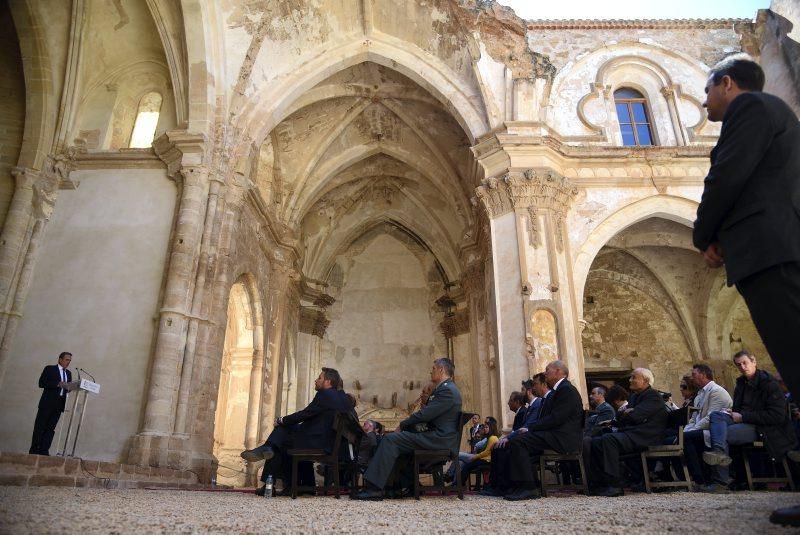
34, 510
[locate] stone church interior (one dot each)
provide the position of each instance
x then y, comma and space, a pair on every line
206, 202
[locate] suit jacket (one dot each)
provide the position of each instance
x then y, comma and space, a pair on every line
602, 413
561, 419
715, 398
646, 423
771, 415
51, 393
441, 414
312, 427
532, 413
519, 418
751, 198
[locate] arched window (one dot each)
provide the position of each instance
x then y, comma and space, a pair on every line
634, 118
144, 129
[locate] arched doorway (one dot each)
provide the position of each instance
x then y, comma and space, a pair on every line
240, 386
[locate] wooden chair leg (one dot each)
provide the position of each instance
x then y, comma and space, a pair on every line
686, 473
416, 478
646, 473
336, 481
789, 477
294, 478
542, 484
747, 471
459, 486
584, 482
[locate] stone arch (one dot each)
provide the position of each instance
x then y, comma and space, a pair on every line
241, 383
678, 209
424, 69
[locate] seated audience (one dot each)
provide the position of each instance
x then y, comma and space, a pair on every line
439, 414
602, 412
617, 397
310, 428
759, 409
369, 442
516, 404
474, 429
484, 457
640, 424
557, 428
688, 390
710, 397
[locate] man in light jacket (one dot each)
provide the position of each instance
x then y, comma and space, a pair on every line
696, 438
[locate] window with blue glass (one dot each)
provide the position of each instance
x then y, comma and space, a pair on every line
634, 119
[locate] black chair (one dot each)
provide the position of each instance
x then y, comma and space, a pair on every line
759, 448
348, 430
437, 458
556, 462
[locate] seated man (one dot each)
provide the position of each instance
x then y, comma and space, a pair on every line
516, 404
710, 397
368, 444
440, 415
759, 408
557, 428
602, 412
617, 397
310, 428
639, 425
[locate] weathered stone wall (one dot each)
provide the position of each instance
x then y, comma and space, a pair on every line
12, 112
94, 293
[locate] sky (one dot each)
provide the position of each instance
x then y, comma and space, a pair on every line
636, 9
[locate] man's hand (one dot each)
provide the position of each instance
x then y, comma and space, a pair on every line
500, 443
713, 256
277, 421
736, 417
522, 430
62, 384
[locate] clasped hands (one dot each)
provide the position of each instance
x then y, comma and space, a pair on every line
713, 256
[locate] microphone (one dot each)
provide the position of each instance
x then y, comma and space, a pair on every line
87, 373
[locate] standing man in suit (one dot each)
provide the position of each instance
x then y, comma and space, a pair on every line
749, 215
54, 398
310, 428
640, 424
441, 414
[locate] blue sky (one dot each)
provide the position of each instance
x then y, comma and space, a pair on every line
636, 9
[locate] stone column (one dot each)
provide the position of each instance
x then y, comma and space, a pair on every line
531, 271
675, 116
184, 155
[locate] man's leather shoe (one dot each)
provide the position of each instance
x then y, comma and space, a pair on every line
373, 495
261, 491
261, 453
715, 488
786, 516
716, 457
491, 492
610, 492
523, 494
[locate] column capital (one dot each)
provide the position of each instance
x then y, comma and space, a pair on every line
455, 324
526, 189
25, 176
180, 149
312, 321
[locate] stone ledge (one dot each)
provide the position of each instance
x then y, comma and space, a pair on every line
25, 470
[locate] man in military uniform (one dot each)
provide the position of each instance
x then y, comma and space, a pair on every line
440, 414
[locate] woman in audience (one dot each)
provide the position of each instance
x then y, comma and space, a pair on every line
471, 462
688, 390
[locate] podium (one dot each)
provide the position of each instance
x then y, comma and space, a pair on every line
81, 388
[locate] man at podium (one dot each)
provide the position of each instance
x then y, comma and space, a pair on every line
53, 383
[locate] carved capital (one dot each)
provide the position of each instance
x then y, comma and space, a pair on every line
668, 92
24, 177
455, 324
313, 321
179, 148
532, 188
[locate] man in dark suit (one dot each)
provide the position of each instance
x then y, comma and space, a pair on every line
640, 424
558, 428
440, 414
54, 398
310, 428
749, 215
516, 404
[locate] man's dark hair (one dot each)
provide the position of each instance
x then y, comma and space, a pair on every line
616, 393
64, 354
447, 364
527, 384
705, 369
519, 397
744, 353
603, 390
539, 377
747, 74
333, 376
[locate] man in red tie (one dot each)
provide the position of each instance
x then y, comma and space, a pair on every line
53, 382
